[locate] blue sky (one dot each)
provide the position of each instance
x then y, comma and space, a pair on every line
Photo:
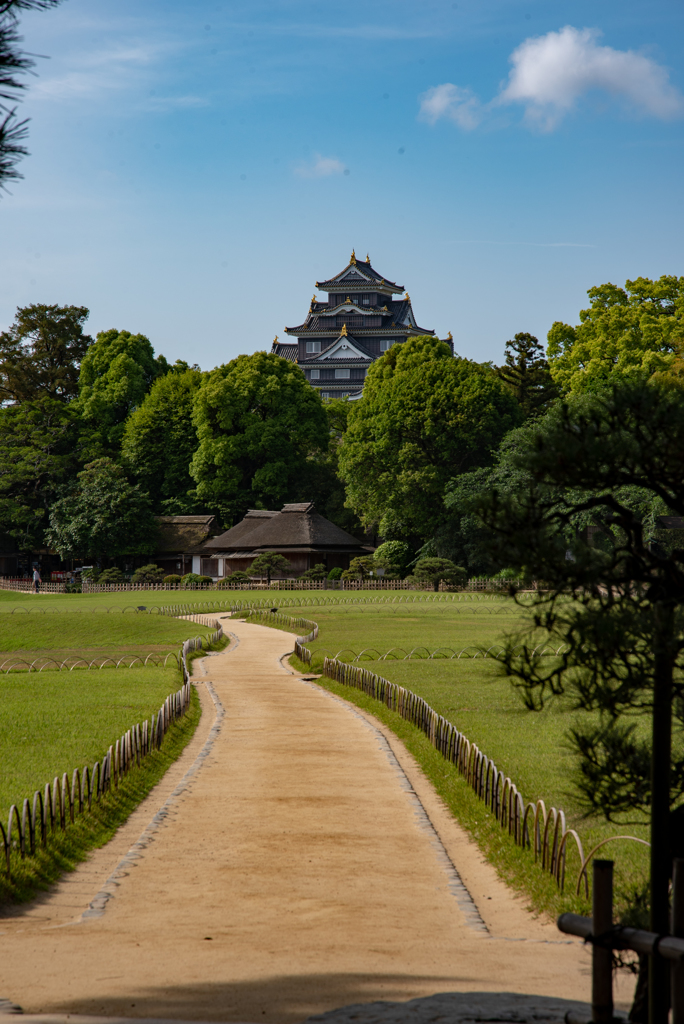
195, 167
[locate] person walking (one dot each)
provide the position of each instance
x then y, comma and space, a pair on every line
36, 579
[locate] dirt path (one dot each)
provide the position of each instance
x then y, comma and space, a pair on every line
304, 865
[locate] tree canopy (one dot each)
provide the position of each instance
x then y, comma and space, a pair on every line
160, 439
592, 478
42, 352
258, 420
625, 331
526, 373
116, 374
103, 516
424, 417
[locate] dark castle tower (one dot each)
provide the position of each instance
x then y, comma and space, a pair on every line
340, 338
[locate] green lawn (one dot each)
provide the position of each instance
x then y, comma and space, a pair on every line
77, 631
53, 722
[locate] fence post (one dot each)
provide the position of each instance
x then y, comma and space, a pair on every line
602, 958
677, 928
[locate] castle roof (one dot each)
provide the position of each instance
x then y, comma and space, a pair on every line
361, 274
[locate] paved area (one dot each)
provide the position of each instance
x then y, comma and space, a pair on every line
294, 861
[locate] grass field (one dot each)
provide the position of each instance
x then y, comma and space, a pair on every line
474, 694
53, 722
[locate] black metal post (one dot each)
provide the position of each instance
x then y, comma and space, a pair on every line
602, 958
677, 968
658, 976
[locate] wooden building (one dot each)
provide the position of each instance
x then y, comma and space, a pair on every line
343, 335
297, 532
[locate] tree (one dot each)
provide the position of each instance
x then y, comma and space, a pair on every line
150, 573
116, 374
526, 374
13, 62
360, 568
393, 557
437, 569
320, 479
268, 563
613, 596
258, 420
319, 572
38, 456
103, 517
41, 353
159, 438
626, 331
424, 417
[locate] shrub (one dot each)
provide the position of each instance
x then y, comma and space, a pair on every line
234, 579
319, 572
173, 578
91, 575
359, 568
335, 574
435, 570
191, 579
148, 574
111, 576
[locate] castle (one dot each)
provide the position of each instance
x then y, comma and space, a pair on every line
342, 336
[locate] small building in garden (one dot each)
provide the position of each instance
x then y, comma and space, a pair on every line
297, 532
181, 544
349, 329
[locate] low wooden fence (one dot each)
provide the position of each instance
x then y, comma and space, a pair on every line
529, 824
57, 805
276, 618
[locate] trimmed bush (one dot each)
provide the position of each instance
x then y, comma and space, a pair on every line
335, 574
234, 579
148, 574
173, 578
111, 576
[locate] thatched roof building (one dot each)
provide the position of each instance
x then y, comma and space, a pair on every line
297, 532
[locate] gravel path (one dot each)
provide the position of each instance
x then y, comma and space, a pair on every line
292, 862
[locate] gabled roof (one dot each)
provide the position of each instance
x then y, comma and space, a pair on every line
183, 533
254, 519
359, 272
344, 347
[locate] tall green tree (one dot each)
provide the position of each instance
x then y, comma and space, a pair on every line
424, 417
42, 352
268, 563
13, 63
613, 597
635, 330
103, 516
40, 358
258, 420
160, 438
38, 455
116, 374
526, 373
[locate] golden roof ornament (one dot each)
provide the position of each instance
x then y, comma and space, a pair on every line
408, 297
450, 336
275, 340
352, 258
344, 330
349, 301
367, 258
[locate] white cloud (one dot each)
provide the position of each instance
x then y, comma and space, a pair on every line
101, 71
450, 101
321, 167
552, 72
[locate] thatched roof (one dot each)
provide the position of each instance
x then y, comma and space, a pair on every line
254, 518
185, 534
298, 527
